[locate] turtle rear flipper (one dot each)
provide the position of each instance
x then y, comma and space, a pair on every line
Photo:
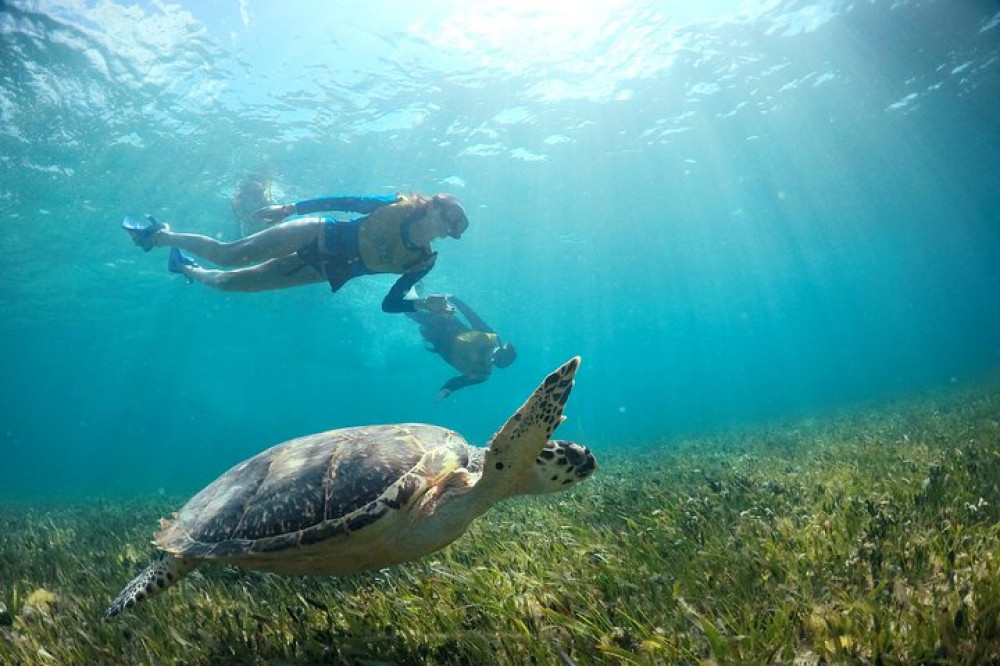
515, 446
155, 578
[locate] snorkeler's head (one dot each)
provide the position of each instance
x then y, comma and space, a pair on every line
251, 194
452, 213
504, 355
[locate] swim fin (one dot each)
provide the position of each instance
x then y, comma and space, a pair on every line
178, 260
141, 232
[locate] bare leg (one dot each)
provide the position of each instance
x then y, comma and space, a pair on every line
280, 273
274, 242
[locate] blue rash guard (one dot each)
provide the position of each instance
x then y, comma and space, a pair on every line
337, 258
364, 205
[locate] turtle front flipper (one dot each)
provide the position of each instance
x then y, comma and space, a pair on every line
155, 578
515, 446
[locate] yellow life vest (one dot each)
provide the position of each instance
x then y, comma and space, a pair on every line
472, 353
380, 241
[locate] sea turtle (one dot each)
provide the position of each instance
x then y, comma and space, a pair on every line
364, 498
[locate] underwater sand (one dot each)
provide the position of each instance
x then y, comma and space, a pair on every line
860, 538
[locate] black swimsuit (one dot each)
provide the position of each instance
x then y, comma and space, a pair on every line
338, 259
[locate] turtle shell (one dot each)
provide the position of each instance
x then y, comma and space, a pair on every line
313, 488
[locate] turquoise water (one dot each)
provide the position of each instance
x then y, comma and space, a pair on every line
734, 214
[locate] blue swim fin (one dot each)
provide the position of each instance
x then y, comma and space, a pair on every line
141, 232
178, 260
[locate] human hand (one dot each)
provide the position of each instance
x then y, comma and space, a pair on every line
437, 303
274, 214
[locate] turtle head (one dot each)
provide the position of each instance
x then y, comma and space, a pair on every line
560, 465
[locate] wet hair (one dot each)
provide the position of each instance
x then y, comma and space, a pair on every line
253, 192
505, 355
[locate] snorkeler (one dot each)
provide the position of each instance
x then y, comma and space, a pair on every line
393, 235
252, 194
471, 349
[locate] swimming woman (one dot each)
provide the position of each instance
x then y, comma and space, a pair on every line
393, 235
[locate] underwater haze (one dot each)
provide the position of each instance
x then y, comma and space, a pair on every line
737, 213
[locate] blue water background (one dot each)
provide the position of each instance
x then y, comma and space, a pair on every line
734, 214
